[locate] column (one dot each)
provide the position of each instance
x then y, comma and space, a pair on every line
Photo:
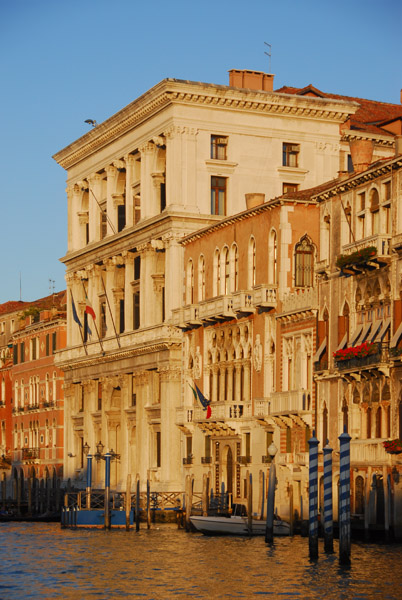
222, 371
246, 391
229, 390
95, 212
148, 203
130, 162
111, 172
174, 269
238, 383
181, 172
128, 259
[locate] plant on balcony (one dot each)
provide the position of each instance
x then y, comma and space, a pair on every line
359, 351
360, 257
393, 446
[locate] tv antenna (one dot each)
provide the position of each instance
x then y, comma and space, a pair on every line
268, 54
51, 286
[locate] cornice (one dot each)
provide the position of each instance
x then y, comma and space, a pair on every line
173, 91
381, 140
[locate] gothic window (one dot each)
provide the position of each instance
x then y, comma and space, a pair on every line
201, 278
216, 276
368, 423
272, 257
304, 263
378, 415
226, 267
251, 262
375, 211
234, 268
190, 283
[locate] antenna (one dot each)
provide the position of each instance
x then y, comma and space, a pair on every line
268, 54
51, 286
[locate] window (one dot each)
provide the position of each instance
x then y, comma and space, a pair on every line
251, 262
103, 319
22, 352
15, 354
121, 315
216, 274
234, 267
47, 345
158, 448
218, 147
290, 155
272, 256
121, 217
136, 310
190, 282
227, 271
375, 211
201, 278
218, 195
54, 342
350, 164
304, 264
289, 187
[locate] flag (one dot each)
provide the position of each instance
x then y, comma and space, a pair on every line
200, 396
88, 309
75, 316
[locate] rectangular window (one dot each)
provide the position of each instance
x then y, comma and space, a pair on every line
121, 316
54, 342
290, 155
33, 349
103, 223
387, 190
218, 195
189, 446
289, 187
163, 196
288, 439
362, 201
22, 352
103, 319
247, 444
136, 310
15, 354
121, 217
47, 345
350, 164
137, 268
158, 448
207, 446
218, 147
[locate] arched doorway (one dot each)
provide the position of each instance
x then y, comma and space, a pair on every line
359, 495
227, 470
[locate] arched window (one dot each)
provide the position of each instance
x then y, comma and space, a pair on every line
375, 211
272, 257
47, 388
190, 283
226, 270
251, 262
304, 263
378, 415
217, 276
201, 278
234, 268
368, 423
16, 398
54, 387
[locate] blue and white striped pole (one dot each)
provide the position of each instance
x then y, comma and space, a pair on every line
328, 516
107, 458
313, 497
344, 499
89, 480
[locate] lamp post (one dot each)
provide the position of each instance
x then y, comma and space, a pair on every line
108, 457
269, 529
86, 449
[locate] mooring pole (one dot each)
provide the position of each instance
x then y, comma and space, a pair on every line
262, 494
313, 497
107, 490
250, 503
128, 502
137, 505
269, 528
328, 512
148, 505
89, 480
344, 499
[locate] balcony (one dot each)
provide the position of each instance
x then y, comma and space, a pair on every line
188, 460
293, 404
381, 244
30, 453
368, 452
184, 415
206, 460
321, 365
216, 309
301, 300
244, 460
224, 411
379, 354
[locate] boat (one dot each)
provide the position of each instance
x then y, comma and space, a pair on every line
236, 525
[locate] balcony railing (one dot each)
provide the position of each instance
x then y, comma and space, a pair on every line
223, 411
30, 453
380, 355
244, 460
290, 401
321, 365
206, 460
368, 451
188, 460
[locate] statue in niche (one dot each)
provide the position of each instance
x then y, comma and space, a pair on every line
257, 353
197, 364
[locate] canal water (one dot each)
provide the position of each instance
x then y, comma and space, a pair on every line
39, 560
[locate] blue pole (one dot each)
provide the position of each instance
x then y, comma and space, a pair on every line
344, 499
269, 524
313, 496
89, 480
107, 491
328, 517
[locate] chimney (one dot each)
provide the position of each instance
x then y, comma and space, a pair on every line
253, 80
362, 154
254, 199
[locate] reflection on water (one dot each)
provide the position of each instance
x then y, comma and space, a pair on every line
44, 561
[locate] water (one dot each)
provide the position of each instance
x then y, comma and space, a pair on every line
39, 560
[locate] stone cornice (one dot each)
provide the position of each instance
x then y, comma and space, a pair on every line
359, 179
173, 91
378, 139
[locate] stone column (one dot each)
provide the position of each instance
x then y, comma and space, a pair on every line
148, 196
95, 212
128, 258
148, 305
238, 383
214, 391
130, 161
222, 371
174, 269
229, 390
181, 172
246, 391
111, 172
170, 434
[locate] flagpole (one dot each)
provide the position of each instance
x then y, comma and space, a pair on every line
93, 320
110, 310
79, 324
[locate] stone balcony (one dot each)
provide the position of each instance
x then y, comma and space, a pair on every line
369, 452
285, 404
301, 300
221, 411
382, 242
229, 306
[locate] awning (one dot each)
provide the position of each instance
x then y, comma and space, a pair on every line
343, 343
374, 330
362, 337
383, 331
396, 337
321, 350
355, 335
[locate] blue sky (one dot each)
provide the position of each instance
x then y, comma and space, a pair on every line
62, 62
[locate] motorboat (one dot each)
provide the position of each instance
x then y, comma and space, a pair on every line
236, 525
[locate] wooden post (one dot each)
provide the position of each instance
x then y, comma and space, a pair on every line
204, 495
29, 496
48, 493
328, 513
291, 510
108, 520
137, 504
260, 493
249, 503
128, 502
188, 502
269, 528
3, 490
313, 497
19, 496
367, 504
148, 505
344, 499
386, 501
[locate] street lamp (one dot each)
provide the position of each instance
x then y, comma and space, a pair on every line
108, 457
269, 529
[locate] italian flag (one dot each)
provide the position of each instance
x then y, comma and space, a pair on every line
89, 310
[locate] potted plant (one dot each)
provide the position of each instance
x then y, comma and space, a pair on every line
359, 257
393, 446
360, 351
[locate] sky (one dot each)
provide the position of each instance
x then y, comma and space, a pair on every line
64, 61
